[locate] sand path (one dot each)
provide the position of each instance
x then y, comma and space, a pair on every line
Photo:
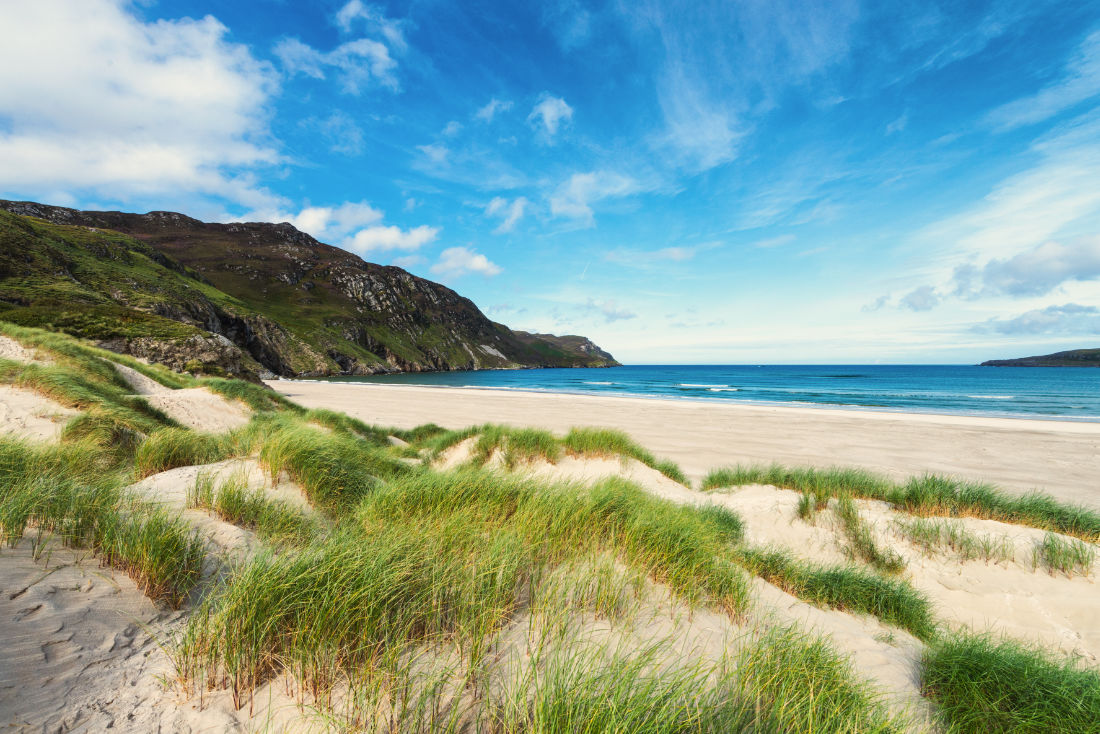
1058, 457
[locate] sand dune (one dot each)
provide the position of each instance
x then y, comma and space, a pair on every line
27, 414
1061, 458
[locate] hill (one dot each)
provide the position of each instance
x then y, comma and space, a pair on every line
1071, 358
246, 298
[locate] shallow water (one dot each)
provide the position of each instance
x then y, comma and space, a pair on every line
1063, 392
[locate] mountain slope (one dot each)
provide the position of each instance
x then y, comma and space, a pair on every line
290, 304
1071, 358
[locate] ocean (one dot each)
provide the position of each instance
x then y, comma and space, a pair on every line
1057, 392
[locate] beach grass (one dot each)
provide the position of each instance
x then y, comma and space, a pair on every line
1066, 555
938, 535
335, 469
56, 491
610, 442
984, 684
927, 495
171, 448
893, 601
232, 500
861, 540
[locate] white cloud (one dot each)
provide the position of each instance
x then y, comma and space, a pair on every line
489, 111
454, 127
574, 198
509, 213
1033, 272
457, 261
384, 238
341, 133
95, 100
357, 63
609, 310
922, 298
333, 224
435, 152
1055, 195
1079, 82
374, 19
550, 112
1071, 318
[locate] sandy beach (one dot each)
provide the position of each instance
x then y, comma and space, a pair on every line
1061, 458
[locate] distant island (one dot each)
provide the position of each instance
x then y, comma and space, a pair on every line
1072, 358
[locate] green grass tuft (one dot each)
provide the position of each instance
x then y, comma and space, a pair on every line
927, 495
274, 521
1067, 555
893, 601
175, 447
986, 685
932, 535
861, 541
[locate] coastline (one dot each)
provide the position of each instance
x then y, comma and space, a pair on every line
1060, 457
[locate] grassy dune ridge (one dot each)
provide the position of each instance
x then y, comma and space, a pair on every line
387, 602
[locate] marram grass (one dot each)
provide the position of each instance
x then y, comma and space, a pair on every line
983, 684
927, 495
1065, 555
861, 539
56, 491
893, 601
933, 535
274, 521
521, 445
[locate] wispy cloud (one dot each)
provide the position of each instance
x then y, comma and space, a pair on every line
358, 64
550, 113
574, 198
1079, 81
510, 213
340, 131
455, 262
1056, 193
374, 19
609, 310
770, 242
490, 110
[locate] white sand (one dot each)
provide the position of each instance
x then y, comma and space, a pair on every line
1058, 457
13, 350
200, 409
26, 414
81, 653
195, 407
141, 384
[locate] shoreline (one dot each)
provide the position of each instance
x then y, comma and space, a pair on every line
681, 400
1058, 457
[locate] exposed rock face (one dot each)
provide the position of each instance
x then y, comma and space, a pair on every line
289, 303
211, 354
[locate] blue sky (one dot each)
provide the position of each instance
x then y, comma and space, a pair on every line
696, 182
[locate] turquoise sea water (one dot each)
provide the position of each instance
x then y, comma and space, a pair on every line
1062, 392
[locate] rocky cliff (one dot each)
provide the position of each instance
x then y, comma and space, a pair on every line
247, 298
